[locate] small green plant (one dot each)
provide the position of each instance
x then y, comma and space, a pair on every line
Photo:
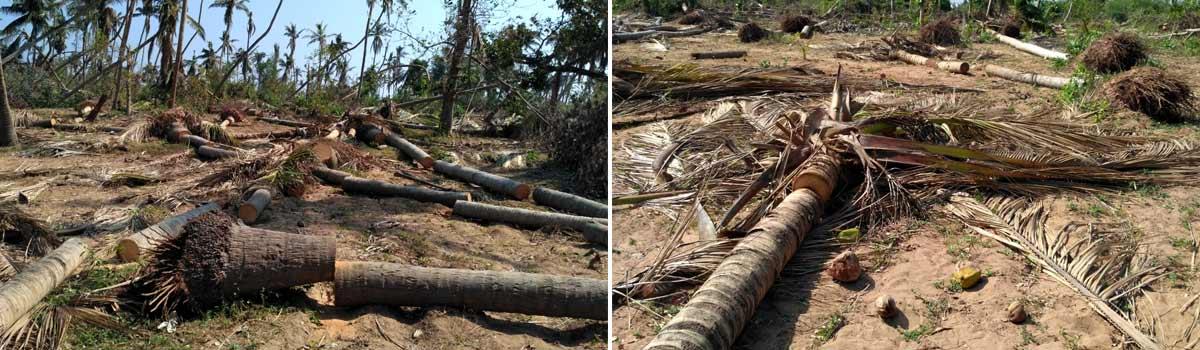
829, 328
1026, 337
1077, 42
1182, 243
916, 334
764, 64
949, 285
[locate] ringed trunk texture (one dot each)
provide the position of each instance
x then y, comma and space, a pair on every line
20, 294
8, 131
594, 230
1027, 47
718, 55
178, 132
720, 308
130, 248
489, 181
254, 204
1025, 77
360, 185
264, 260
297, 132
362, 283
949, 66
569, 202
196, 141
210, 152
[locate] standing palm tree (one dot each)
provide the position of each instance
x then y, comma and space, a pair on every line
249, 35
317, 35
37, 14
230, 6
292, 34
8, 133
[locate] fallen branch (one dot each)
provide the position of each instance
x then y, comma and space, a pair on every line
1027, 47
949, 66
297, 132
569, 202
594, 230
131, 247
1185, 32
489, 181
1027, 77
364, 283
718, 54
25, 290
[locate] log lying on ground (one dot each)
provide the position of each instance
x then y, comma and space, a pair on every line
623, 37
949, 66
492, 182
130, 248
286, 122
210, 152
57, 125
20, 294
364, 283
594, 230
253, 205
1027, 47
354, 184
1026, 77
248, 259
371, 133
718, 54
297, 132
569, 202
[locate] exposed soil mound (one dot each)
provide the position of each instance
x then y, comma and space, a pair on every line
694, 17
1115, 52
1152, 92
751, 32
940, 32
794, 23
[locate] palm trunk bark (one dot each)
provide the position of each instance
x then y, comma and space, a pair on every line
569, 202
448, 86
491, 182
719, 310
362, 66
353, 184
8, 131
1027, 47
178, 66
1026, 77
130, 248
26, 289
124, 53
594, 230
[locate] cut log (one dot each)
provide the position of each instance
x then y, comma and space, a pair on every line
253, 205
6, 269
365, 283
628, 36
412, 151
718, 55
210, 152
353, 184
1027, 47
130, 248
594, 230
178, 132
285, 122
20, 294
569, 202
258, 260
196, 141
369, 134
1026, 77
949, 66
495, 183
330, 176
720, 308
95, 111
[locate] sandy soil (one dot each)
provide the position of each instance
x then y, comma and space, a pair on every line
381, 229
907, 260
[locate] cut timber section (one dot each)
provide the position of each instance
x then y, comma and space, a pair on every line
253, 205
264, 260
130, 248
1026, 77
628, 36
297, 132
569, 203
363, 283
949, 66
374, 134
1027, 47
20, 294
595, 230
718, 55
491, 182
353, 184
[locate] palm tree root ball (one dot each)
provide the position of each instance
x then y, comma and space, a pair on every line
1113, 53
1152, 92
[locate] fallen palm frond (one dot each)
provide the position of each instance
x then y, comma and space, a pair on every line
47, 324
31, 232
1101, 271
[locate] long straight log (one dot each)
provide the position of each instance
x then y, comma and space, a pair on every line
623, 37
130, 248
949, 66
412, 151
1027, 47
20, 294
330, 176
718, 55
495, 183
569, 202
594, 230
297, 132
254, 204
720, 308
1027, 77
210, 152
353, 184
286, 122
363, 283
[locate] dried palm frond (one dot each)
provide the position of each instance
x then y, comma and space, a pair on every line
139, 132
212, 132
1099, 270
6, 268
30, 231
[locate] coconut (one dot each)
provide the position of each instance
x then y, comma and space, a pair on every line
751, 32
1115, 52
794, 23
1016, 312
885, 306
1152, 92
694, 17
845, 267
940, 32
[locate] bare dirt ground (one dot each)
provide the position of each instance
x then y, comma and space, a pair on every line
375, 229
907, 260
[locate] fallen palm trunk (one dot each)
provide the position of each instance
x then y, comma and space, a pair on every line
25, 290
1026, 77
489, 181
297, 132
6, 269
718, 55
622, 37
363, 283
719, 310
569, 202
286, 122
56, 125
949, 66
1027, 47
130, 248
374, 134
594, 230
210, 152
353, 184
254, 204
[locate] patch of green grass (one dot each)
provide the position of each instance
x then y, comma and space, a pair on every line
1096, 210
1183, 243
829, 328
1187, 46
1026, 337
439, 154
1150, 191
949, 285
534, 157
916, 333
88, 281
935, 310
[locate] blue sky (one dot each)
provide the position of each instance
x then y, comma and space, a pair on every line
424, 19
